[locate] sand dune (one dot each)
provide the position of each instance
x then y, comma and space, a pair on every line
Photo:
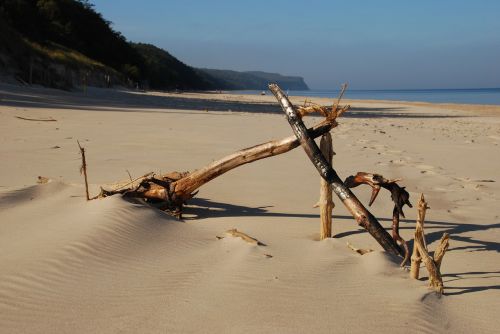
112, 265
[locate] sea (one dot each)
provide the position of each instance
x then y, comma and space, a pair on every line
461, 96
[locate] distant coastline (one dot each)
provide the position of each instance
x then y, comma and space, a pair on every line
489, 96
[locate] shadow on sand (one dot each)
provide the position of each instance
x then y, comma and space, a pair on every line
100, 99
205, 208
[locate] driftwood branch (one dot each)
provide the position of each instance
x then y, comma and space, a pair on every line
435, 280
416, 258
37, 119
171, 191
421, 254
245, 237
363, 217
399, 196
444, 243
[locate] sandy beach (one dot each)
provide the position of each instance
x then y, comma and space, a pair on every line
115, 265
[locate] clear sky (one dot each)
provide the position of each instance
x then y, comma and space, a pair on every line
399, 44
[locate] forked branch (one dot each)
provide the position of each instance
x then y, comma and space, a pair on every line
421, 254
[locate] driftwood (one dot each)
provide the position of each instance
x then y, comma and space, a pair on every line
325, 198
363, 217
171, 191
37, 119
237, 234
444, 243
416, 258
421, 254
360, 251
399, 196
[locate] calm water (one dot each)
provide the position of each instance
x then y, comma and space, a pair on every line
468, 96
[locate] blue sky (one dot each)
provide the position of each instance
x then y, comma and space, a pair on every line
370, 44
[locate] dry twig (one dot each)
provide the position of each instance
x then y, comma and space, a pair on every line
83, 170
37, 119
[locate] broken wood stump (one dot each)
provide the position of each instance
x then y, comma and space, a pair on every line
325, 199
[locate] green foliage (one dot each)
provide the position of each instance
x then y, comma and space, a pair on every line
164, 71
73, 24
227, 79
72, 33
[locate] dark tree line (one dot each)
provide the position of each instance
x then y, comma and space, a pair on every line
76, 25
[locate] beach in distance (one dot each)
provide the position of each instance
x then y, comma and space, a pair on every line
68, 265
489, 96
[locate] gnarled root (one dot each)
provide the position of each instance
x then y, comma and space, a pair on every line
399, 196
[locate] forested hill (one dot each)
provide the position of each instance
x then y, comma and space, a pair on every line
66, 43
255, 80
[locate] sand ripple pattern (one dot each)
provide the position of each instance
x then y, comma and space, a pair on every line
114, 266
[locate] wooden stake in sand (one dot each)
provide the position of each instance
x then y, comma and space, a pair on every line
363, 217
416, 258
325, 199
83, 170
421, 254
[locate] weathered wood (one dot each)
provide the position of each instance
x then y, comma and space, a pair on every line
441, 249
184, 187
399, 196
363, 217
36, 119
238, 234
173, 189
416, 258
435, 280
421, 254
325, 198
